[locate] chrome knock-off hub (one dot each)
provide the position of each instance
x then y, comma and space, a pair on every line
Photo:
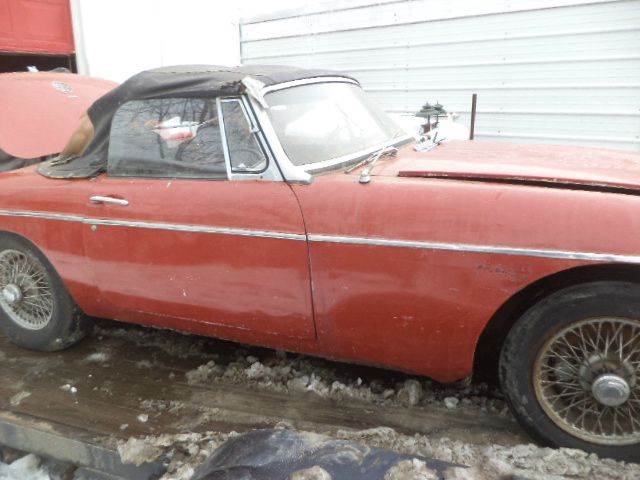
11, 294
611, 390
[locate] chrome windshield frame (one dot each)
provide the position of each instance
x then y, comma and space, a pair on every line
303, 173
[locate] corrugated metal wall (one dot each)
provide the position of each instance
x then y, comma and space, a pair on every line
546, 71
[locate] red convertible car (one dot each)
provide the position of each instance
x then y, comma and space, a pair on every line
280, 207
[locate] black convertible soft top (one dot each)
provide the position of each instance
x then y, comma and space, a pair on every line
166, 82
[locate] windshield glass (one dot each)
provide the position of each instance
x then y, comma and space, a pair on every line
324, 121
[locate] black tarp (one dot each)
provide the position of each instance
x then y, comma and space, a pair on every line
166, 82
281, 454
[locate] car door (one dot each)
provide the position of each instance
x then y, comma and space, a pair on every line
192, 227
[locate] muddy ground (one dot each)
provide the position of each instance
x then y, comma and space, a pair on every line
157, 394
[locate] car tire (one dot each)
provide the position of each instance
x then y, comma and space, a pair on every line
36, 310
564, 367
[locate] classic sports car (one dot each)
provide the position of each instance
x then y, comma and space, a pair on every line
280, 207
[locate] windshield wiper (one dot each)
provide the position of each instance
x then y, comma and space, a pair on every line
365, 161
365, 175
370, 161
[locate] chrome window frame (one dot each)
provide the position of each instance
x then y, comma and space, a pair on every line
303, 173
308, 81
271, 171
288, 170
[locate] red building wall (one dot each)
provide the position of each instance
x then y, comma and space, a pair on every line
36, 26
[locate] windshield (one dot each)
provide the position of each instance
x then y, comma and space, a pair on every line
323, 121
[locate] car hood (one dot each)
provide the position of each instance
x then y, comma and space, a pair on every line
39, 111
559, 166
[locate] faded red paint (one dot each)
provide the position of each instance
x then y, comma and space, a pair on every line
253, 284
416, 310
41, 110
36, 26
506, 161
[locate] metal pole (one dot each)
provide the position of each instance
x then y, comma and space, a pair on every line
474, 99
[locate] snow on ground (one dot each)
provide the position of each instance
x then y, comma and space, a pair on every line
296, 373
496, 462
487, 462
97, 357
225, 363
25, 468
299, 373
284, 372
183, 451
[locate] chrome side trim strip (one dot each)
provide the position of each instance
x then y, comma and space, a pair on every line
196, 229
463, 247
155, 225
46, 215
381, 242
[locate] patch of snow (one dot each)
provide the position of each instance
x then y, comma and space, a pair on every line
493, 462
451, 402
25, 468
258, 371
411, 392
413, 469
18, 397
314, 473
143, 417
463, 473
203, 373
297, 373
184, 451
97, 357
280, 371
69, 388
138, 451
162, 405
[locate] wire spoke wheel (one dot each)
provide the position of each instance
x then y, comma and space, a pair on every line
26, 295
587, 380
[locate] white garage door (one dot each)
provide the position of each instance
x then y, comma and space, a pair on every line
546, 71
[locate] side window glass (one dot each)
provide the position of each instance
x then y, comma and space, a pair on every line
245, 153
167, 138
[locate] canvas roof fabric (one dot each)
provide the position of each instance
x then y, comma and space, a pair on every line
179, 81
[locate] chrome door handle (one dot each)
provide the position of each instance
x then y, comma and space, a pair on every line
110, 200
